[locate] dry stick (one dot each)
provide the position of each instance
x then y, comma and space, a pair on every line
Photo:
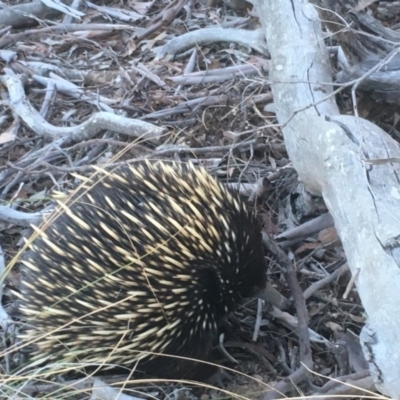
242, 146
22, 107
5, 321
10, 39
97, 122
351, 283
210, 99
166, 17
271, 296
232, 70
247, 38
291, 322
252, 190
102, 391
189, 105
111, 142
22, 15
25, 167
324, 281
188, 69
21, 218
48, 99
89, 77
353, 385
302, 372
307, 229
220, 75
13, 182
122, 14
161, 152
145, 72
76, 4
360, 388
39, 158
260, 352
260, 306
331, 384
72, 90
91, 156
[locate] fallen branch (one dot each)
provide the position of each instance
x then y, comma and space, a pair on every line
251, 39
365, 45
218, 75
164, 18
22, 15
325, 281
21, 218
12, 38
97, 122
305, 230
329, 152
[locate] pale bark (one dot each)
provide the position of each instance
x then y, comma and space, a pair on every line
333, 158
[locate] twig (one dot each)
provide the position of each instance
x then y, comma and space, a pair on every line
217, 75
302, 372
48, 99
325, 281
260, 306
351, 283
97, 122
7, 40
166, 16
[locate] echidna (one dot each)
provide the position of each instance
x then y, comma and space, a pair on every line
148, 259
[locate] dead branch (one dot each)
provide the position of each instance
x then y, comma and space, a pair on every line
21, 218
251, 39
218, 75
325, 281
124, 15
22, 15
358, 385
307, 229
329, 151
97, 122
368, 50
166, 16
12, 38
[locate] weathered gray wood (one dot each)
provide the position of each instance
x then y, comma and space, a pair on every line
331, 158
367, 44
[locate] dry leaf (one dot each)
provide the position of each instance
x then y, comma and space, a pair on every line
151, 42
142, 8
328, 235
130, 47
6, 137
356, 318
269, 225
334, 326
306, 246
272, 161
363, 4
